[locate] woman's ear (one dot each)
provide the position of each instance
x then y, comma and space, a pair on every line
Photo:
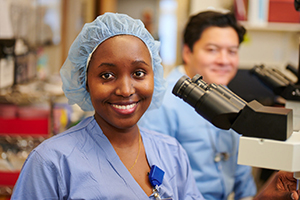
86, 81
87, 86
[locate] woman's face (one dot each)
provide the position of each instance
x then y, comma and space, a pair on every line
120, 81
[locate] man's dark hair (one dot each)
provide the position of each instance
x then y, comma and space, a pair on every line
203, 20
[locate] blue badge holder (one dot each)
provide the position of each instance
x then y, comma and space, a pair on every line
156, 177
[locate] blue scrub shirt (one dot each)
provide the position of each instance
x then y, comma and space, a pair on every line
82, 164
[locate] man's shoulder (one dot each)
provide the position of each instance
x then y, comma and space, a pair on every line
174, 76
170, 99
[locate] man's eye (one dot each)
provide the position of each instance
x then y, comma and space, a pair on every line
233, 52
106, 76
139, 74
212, 50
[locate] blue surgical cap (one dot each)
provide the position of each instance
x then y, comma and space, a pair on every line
73, 72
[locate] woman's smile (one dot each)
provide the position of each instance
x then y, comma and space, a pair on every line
125, 109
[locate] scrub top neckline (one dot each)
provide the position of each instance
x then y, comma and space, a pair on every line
116, 163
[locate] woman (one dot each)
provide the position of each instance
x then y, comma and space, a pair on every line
113, 68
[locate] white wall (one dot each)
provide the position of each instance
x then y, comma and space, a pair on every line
275, 48
135, 8
200, 5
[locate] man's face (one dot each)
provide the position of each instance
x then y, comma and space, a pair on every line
214, 56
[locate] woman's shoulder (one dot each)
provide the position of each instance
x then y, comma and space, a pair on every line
65, 142
154, 135
159, 141
165, 150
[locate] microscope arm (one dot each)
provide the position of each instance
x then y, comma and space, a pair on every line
267, 140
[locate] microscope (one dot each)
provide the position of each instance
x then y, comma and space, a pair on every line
282, 86
270, 136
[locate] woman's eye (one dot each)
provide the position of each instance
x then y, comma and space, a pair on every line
106, 76
139, 74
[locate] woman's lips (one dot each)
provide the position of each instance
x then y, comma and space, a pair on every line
124, 109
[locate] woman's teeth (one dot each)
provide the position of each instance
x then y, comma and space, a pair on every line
124, 107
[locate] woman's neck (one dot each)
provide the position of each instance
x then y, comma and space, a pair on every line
118, 137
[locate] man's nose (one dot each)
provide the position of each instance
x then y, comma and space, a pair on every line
125, 87
223, 57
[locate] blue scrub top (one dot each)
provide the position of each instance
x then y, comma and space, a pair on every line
81, 163
203, 143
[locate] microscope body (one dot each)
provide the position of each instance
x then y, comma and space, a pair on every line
270, 153
273, 154
269, 139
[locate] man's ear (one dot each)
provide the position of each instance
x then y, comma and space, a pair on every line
186, 52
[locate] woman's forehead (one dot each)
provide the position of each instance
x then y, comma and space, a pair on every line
121, 50
124, 39
121, 45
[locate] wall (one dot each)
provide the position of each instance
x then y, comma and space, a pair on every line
275, 48
135, 8
198, 5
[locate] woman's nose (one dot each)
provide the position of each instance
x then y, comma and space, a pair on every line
125, 87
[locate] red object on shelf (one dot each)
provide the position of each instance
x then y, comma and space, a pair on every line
8, 178
241, 9
32, 127
283, 11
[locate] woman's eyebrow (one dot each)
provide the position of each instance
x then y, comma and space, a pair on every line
135, 62
140, 61
107, 64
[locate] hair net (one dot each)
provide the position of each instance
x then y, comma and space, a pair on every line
73, 71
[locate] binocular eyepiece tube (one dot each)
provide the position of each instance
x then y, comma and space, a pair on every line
225, 110
214, 102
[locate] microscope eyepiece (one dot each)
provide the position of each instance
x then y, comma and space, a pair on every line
215, 103
225, 110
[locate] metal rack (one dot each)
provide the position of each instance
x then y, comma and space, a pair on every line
19, 135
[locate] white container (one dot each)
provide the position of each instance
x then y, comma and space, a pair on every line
7, 69
258, 12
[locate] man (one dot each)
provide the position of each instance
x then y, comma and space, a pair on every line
211, 45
